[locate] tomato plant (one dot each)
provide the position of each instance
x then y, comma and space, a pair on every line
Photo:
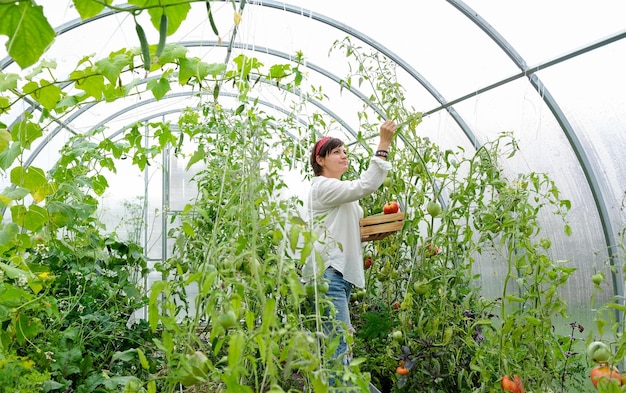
230, 292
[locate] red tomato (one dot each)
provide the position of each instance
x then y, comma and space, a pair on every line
367, 263
402, 371
603, 371
429, 250
514, 385
391, 207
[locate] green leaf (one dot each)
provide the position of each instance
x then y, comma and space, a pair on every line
112, 66
198, 155
153, 308
118, 381
172, 52
12, 194
92, 82
235, 349
616, 306
61, 213
176, 12
8, 81
125, 356
8, 234
5, 139
30, 178
99, 184
31, 219
143, 360
112, 92
28, 30
27, 327
26, 132
89, 81
4, 105
246, 64
164, 135
89, 8
159, 87
193, 67
278, 71
216, 69
49, 94
68, 362
33, 179
8, 156
15, 273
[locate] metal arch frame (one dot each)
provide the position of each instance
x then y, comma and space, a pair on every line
178, 110
590, 171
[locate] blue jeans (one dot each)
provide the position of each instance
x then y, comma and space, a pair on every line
339, 294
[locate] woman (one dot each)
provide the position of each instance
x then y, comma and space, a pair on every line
333, 205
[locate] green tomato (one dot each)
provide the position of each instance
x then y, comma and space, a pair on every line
388, 182
599, 352
198, 361
198, 368
597, 278
433, 208
228, 319
323, 287
420, 287
310, 289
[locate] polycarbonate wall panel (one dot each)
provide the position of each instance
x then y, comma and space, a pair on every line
540, 30
591, 89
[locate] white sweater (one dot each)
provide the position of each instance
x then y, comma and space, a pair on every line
334, 205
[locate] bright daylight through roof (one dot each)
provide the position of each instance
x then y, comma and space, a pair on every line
312, 196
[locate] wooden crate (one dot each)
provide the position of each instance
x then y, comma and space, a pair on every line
380, 226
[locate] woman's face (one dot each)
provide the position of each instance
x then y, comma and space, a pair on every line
335, 163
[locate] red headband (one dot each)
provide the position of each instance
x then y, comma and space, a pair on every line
320, 143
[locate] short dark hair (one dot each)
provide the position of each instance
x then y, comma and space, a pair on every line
327, 147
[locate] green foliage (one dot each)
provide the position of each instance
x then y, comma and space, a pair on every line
17, 375
235, 247
230, 312
454, 338
28, 30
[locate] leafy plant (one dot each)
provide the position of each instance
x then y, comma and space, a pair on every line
230, 311
460, 208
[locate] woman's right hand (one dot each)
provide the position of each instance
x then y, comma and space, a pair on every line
387, 130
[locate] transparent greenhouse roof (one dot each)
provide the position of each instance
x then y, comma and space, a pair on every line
550, 72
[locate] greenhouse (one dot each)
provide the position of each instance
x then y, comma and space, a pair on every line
186, 184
